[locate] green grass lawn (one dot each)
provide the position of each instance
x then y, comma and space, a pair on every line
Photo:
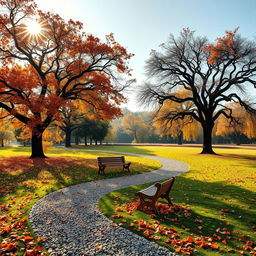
216, 199
24, 181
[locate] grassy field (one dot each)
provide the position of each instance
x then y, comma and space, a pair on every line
215, 213
24, 181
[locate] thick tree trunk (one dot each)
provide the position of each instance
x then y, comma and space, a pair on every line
90, 141
96, 142
207, 139
68, 138
85, 140
2, 142
37, 144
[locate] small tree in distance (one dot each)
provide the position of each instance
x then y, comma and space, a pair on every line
186, 63
136, 126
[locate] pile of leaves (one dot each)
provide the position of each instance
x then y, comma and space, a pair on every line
180, 239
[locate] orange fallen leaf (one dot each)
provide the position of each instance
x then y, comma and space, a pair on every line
98, 246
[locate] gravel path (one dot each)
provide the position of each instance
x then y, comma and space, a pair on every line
73, 225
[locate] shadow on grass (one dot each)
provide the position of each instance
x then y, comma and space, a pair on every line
244, 159
217, 204
48, 174
125, 149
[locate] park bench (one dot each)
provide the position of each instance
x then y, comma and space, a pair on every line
149, 196
112, 161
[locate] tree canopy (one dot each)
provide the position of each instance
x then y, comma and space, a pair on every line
42, 72
211, 74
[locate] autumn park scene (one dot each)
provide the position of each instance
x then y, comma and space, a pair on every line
127, 128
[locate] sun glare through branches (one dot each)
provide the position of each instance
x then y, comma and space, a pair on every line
32, 31
34, 27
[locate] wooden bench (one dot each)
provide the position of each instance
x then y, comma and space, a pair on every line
149, 196
112, 161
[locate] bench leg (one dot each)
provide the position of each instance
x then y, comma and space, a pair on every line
126, 167
101, 169
153, 205
143, 203
168, 199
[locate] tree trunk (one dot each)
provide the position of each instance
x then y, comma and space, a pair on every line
180, 138
77, 140
90, 141
37, 144
96, 142
207, 138
135, 136
238, 138
2, 142
85, 140
68, 138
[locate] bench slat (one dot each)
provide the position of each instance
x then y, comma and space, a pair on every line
150, 191
112, 161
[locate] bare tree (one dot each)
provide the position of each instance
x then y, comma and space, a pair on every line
183, 64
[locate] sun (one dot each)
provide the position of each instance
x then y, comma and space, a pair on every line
34, 28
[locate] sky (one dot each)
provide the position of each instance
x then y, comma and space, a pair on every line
142, 25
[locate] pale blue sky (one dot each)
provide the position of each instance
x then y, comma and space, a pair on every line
141, 25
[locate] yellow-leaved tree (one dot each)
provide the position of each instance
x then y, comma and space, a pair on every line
136, 126
242, 123
168, 122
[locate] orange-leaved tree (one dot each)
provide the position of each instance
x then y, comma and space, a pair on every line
95, 107
43, 69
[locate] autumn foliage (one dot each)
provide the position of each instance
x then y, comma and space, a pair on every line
155, 229
224, 47
136, 126
40, 73
168, 121
242, 122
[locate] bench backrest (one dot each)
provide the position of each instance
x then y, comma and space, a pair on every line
164, 187
117, 159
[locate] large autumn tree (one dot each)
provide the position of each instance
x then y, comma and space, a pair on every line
46, 62
213, 74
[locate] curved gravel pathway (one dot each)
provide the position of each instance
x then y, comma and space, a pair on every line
73, 225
